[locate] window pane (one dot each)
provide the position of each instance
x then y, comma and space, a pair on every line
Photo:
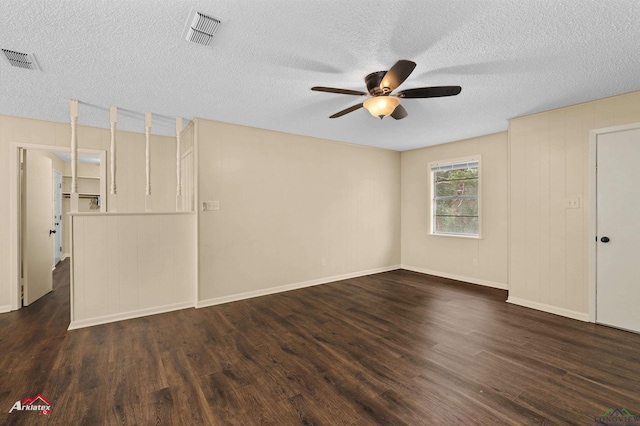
455, 197
456, 225
447, 188
471, 164
457, 207
460, 174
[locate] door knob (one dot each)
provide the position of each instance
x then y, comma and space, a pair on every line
52, 231
604, 239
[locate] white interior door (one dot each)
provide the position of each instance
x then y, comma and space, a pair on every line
57, 216
37, 218
618, 230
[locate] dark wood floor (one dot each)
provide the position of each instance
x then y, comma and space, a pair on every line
393, 348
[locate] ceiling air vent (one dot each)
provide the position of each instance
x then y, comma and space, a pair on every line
21, 60
201, 28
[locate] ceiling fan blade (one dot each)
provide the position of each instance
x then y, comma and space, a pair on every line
397, 74
429, 92
340, 91
347, 111
399, 113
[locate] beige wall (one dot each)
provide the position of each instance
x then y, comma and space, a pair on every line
287, 202
453, 257
187, 177
56, 162
131, 172
549, 159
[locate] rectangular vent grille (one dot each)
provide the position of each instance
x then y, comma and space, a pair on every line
196, 36
21, 60
202, 29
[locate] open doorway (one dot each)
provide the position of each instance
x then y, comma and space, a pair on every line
42, 203
91, 195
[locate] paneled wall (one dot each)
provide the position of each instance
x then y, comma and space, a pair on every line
481, 261
131, 173
294, 210
131, 265
549, 162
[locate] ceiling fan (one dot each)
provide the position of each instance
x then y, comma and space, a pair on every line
380, 84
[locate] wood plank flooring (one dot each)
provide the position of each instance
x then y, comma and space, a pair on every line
394, 348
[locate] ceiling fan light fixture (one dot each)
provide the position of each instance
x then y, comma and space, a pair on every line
381, 106
381, 84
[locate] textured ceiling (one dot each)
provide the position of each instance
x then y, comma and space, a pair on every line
510, 57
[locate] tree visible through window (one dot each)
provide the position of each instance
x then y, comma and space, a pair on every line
455, 198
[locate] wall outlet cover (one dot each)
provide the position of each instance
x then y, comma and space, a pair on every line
208, 206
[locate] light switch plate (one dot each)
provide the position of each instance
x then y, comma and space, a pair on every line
208, 206
572, 203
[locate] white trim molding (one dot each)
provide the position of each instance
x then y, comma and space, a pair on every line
5, 308
581, 316
479, 281
129, 315
287, 287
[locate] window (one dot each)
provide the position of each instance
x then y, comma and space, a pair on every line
455, 203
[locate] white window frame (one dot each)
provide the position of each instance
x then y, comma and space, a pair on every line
432, 204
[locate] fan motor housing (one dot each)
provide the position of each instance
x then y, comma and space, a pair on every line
373, 81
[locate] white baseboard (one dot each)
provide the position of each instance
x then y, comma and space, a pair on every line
64, 256
581, 316
471, 280
5, 308
129, 315
288, 287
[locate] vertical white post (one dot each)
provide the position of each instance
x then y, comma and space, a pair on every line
113, 118
73, 113
178, 164
147, 132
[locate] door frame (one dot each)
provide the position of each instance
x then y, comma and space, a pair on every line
593, 209
58, 235
14, 204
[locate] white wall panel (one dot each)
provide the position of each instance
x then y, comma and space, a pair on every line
113, 271
96, 294
549, 162
78, 305
129, 265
